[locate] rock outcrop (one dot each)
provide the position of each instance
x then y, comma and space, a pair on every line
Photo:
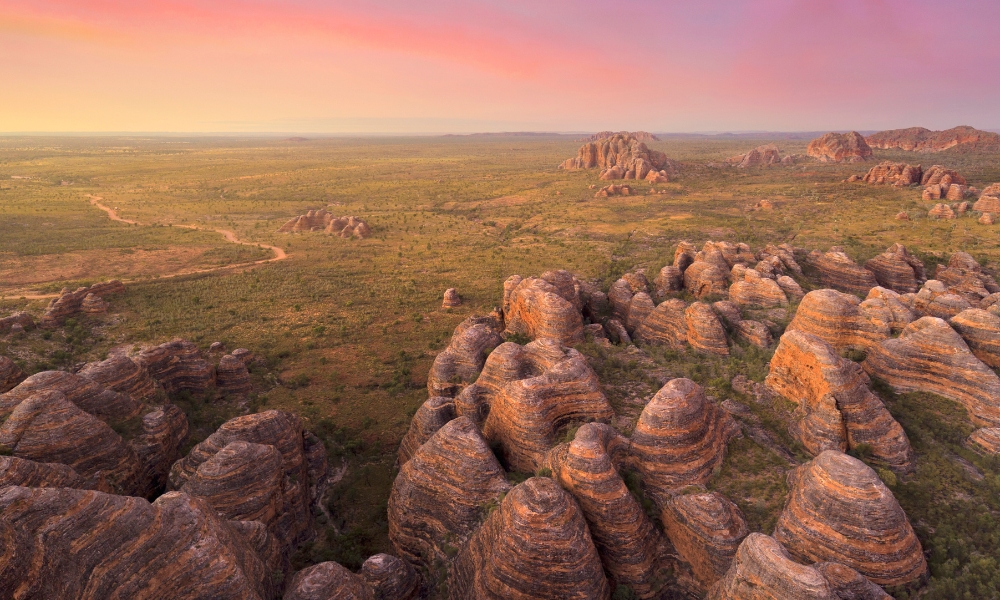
930, 356
896, 174
941, 211
839, 510
432, 415
981, 331
19, 319
178, 366
840, 147
534, 307
459, 364
665, 326
164, 433
919, 139
761, 156
935, 299
704, 330
756, 290
885, 308
451, 298
232, 377
964, 276
989, 202
762, 570
898, 270
29, 473
326, 581
70, 303
836, 318
93, 305
535, 545
390, 578
752, 332
838, 271
321, 220
10, 374
107, 405
621, 157
703, 278
836, 408
706, 529
124, 375
848, 584
609, 191
438, 497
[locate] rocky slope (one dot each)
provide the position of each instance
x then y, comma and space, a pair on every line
919, 139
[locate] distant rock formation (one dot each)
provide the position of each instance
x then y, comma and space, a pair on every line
840, 147
942, 177
459, 364
10, 374
964, 276
989, 202
614, 190
71, 303
919, 139
941, 211
819, 521
642, 136
761, 156
895, 174
621, 156
321, 220
838, 271
898, 270
536, 308
837, 318
706, 530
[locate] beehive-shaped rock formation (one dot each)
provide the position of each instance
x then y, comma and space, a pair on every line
929, 356
29, 473
64, 543
762, 570
122, 374
936, 300
838, 271
390, 578
669, 280
847, 583
837, 409
836, 318
885, 307
897, 174
93, 305
622, 154
535, 545
10, 374
755, 290
232, 377
704, 330
178, 366
705, 278
964, 276
460, 363
839, 510
680, 438
70, 303
627, 541
638, 309
21, 319
761, 156
785, 253
431, 416
898, 270
665, 325
451, 298
752, 332
321, 220
104, 404
981, 331
164, 433
706, 529
533, 307
326, 581
438, 497
942, 176
840, 147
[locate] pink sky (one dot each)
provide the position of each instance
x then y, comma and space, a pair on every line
444, 65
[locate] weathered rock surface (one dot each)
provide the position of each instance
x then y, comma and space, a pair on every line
783, 252
639, 308
988, 202
70, 303
703, 278
19, 318
937, 300
848, 584
704, 330
438, 497
964, 276
10, 374
64, 543
839, 510
836, 318
432, 415
628, 157
898, 270
987, 219
885, 307
322, 220
29, 473
124, 375
762, 570
670, 280
941, 176
837, 410
665, 326
761, 156
897, 174
941, 211
102, 403
178, 366
706, 529
987, 438
534, 307
755, 290
981, 331
838, 271
390, 578
93, 305
793, 291
535, 545
328, 581
930, 356
628, 543
840, 147
919, 139
460, 363
232, 377
451, 298
164, 433
680, 438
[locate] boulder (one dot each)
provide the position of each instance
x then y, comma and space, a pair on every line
897, 174
535, 545
902, 216
762, 570
93, 305
29, 473
178, 366
680, 438
755, 290
322, 220
533, 307
706, 529
836, 408
704, 330
432, 415
941, 211
164, 433
981, 331
898, 270
987, 219
328, 581
665, 326
838, 271
828, 498
10, 375
840, 147
65, 543
232, 377
390, 578
124, 375
438, 497
988, 204
459, 364
930, 356
451, 298
837, 319
107, 405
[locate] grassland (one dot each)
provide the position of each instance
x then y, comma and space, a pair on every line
350, 327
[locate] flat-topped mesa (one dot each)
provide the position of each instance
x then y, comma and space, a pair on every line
535, 308
322, 220
896, 174
704, 330
837, 409
838, 271
326, 581
840, 147
459, 364
553, 387
837, 319
665, 325
920, 139
124, 375
898, 270
164, 433
627, 541
839, 510
178, 366
930, 356
232, 377
621, 157
762, 570
761, 156
390, 578
706, 529
280, 429
105, 404
10, 375
112, 546
438, 497
432, 415
981, 331
964, 276
30, 473
535, 545
680, 438
70, 303
755, 290
20, 319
